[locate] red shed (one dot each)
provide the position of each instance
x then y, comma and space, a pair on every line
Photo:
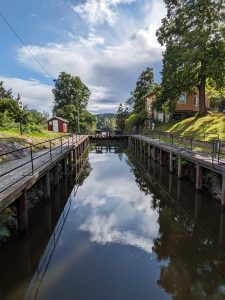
58, 124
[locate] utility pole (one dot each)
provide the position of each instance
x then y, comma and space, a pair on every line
20, 105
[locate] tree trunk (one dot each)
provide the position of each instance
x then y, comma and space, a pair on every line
202, 104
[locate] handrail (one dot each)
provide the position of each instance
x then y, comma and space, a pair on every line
188, 143
71, 140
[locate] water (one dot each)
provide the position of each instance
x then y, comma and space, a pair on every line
129, 231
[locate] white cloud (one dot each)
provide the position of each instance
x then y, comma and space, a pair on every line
99, 11
98, 64
109, 69
113, 215
37, 95
104, 230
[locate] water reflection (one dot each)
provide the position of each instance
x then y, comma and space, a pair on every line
24, 261
191, 231
131, 231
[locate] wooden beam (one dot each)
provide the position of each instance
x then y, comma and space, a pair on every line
22, 213
161, 157
198, 177
46, 185
223, 190
56, 174
180, 168
171, 162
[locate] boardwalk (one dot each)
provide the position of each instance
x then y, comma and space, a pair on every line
157, 148
17, 176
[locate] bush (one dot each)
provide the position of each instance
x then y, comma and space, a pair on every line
32, 128
7, 122
135, 119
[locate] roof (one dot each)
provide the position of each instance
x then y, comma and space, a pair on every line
55, 117
150, 93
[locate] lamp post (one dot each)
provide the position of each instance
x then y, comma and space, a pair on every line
20, 105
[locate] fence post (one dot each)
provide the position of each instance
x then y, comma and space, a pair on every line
61, 144
50, 147
31, 158
191, 144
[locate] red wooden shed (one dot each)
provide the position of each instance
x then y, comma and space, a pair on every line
58, 124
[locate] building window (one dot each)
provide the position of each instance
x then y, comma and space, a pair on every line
182, 99
195, 100
50, 122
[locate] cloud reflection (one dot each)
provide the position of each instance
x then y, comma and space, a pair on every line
113, 208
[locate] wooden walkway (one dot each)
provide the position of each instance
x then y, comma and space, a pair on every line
193, 156
200, 159
22, 173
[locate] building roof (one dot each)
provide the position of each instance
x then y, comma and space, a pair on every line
150, 93
55, 117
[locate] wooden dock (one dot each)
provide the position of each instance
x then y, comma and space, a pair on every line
155, 148
17, 176
108, 137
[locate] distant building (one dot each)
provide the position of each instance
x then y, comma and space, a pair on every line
58, 124
186, 106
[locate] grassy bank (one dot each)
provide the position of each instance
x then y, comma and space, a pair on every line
27, 139
212, 124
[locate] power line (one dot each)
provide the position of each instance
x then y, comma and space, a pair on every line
23, 43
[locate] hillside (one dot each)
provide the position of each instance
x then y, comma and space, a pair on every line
210, 125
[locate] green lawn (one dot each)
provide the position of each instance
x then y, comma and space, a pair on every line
27, 139
212, 124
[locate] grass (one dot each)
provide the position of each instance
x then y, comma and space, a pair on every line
27, 139
211, 125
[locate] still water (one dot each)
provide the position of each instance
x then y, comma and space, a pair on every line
127, 230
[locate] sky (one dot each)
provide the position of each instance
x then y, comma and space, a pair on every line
107, 43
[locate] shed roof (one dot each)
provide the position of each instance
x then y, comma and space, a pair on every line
58, 118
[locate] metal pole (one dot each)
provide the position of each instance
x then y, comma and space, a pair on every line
50, 146
21, 120
31, 159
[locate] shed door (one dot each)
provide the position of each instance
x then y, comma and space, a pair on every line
55, 125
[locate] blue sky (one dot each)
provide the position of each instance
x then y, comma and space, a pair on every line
105, 42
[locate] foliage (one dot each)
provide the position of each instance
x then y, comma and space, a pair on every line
71, 98
135, 120
87, 122
106, 122
6, 121
121, 116
5, 93
39, 118
144, 84
8, 223
193, 33
11, 115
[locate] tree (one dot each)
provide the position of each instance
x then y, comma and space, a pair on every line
193, 33
121, 117
71, 98
145, 83
5, 93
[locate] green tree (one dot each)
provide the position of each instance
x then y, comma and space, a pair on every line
5, 93
87, 122
121, 116
145, 83
71, 98
194, 35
